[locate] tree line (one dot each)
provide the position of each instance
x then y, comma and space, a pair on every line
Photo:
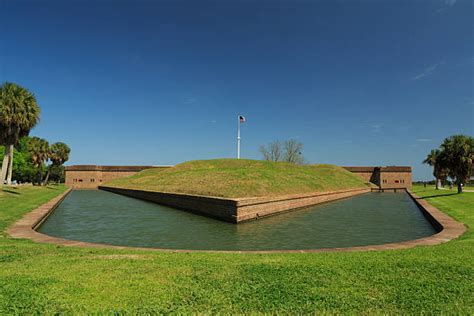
454, 158
24, 158
288, 151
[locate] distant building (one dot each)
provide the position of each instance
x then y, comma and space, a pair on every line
91, 176
390, 177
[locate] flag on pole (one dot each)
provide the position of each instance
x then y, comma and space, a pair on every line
241, 120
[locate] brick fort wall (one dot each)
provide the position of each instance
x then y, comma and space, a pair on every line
91, 176
390, 177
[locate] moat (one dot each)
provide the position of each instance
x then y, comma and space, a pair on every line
368, 219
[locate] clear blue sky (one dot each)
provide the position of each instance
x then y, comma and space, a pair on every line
157, 82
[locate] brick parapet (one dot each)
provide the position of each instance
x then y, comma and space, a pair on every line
91, 176
239, 209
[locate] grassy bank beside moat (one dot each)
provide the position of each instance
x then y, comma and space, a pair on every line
41, 278
233, 178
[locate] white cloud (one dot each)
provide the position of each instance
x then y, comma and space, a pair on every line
428, 71
447, 4
376, 128
424, 140
190, 100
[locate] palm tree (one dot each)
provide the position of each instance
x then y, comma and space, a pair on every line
459, 154
58, 154
39, 153
19, 113
436, 159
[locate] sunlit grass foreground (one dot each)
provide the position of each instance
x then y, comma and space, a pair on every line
45, 278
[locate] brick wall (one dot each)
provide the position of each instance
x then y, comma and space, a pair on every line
87, 179
91, 176
236, 210
395, 180
392, 177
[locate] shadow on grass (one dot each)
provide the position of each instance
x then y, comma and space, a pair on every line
50, 187
438, 195
11, 191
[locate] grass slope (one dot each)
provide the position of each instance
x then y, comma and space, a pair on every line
241, 178
39, 278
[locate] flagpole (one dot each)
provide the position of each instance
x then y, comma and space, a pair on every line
238, 136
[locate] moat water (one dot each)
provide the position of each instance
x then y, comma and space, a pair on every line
368, 219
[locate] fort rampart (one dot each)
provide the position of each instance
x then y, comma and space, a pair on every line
386, 178
236, 210
93, 176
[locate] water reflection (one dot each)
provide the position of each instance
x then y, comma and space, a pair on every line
374, 218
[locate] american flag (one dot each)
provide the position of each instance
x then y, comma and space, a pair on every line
241, 119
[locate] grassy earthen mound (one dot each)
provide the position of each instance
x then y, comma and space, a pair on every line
232, 178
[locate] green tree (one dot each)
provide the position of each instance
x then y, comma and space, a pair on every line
58, 154
23, 170
458, 152
27, 172
39, 153
57, 174
19, 113
436, 160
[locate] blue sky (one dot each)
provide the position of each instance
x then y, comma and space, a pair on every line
157, 82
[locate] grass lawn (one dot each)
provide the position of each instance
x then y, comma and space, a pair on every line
237, 178
44, 278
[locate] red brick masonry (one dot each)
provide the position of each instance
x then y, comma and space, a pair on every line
449, 229
239, 209
91, 176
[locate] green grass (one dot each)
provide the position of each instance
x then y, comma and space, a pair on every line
241, 178
16, 201
41, 278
